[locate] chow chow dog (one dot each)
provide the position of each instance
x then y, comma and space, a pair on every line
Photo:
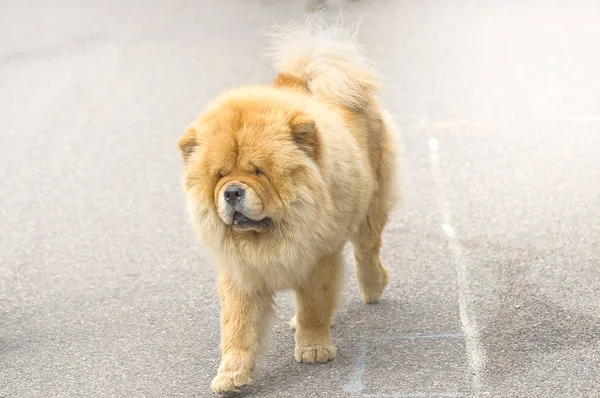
277, 178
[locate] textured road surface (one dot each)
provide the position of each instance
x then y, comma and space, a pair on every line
495, 252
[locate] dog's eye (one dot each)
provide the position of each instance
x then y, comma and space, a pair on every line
258, 171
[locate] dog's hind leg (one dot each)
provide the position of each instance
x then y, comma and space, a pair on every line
372, 276
366, 241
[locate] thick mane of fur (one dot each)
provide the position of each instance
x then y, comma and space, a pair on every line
327, 57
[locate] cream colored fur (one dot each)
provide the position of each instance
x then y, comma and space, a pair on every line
328, 58
329, 163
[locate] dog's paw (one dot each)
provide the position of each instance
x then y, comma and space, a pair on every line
230, 382
315, 353
372, 291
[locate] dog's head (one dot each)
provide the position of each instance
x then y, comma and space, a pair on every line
251, 165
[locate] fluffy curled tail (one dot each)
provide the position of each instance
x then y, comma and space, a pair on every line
327, 59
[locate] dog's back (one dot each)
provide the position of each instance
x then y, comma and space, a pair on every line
325, 60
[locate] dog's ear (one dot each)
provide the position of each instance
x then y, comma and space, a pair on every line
304, 134
187, 143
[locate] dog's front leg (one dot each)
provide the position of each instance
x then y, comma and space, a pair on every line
244, 318
316, 300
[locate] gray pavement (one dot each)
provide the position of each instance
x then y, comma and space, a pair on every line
494, 254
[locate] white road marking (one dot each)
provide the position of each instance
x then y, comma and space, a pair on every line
475, 353
414, 395
583, 119
424, 123
355, 384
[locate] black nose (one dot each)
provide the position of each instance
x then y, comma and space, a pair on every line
233, 194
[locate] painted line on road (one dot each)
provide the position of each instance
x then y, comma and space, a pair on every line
583, 119
475, 353
450, 124
415, 395
424, 122
355, 384
415, 336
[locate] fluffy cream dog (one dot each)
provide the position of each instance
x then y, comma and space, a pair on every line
278, 178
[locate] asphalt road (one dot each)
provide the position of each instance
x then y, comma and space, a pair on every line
494, 254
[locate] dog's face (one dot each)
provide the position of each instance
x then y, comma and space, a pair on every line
251, 160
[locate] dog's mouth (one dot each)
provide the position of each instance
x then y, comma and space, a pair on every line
243, 223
